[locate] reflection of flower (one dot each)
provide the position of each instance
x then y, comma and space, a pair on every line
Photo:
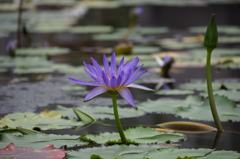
113, 78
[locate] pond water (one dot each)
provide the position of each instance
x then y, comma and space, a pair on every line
35, 92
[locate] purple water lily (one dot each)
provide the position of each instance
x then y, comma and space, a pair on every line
113, 78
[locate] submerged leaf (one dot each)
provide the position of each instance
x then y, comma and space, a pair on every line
186, 126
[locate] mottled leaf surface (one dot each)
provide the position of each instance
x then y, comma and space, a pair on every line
136, 135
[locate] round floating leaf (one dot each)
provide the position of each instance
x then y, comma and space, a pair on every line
174, 153
25, 62
135, 135
90, 29
39, 140
181, 45
202, 86
73, 88
174, 92
227, 110
115, 151
41, 51
223, 154
100, 112
232, 95
45, 121
140, 49
221, 29
168, 106
22, 153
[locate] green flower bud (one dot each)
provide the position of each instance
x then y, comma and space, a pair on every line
211, 36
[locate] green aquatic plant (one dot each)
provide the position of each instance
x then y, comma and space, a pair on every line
210, 43
114, 81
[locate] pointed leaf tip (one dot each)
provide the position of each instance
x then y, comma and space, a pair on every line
211, 36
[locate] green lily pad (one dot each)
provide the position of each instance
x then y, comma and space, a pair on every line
203, 86
25, 62
222, 154
174, 153
221, 29
22, 70
115, 151
113, 36
227, 110
101, 4
145, 30
73, 88
174, 92
141, 49
181, 45
232, 95
229, 39
90, 29
42, 51
65, 68
168, 106
218, 52
30, 120
135, 135
100, 112
39, 140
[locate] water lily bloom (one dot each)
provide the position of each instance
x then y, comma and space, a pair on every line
113, 78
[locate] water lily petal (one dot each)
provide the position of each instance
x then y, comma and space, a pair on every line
105, 63
106, 80
97, 66
140, 87
95, 92
136, 77
85, 83
127, 95
113, 63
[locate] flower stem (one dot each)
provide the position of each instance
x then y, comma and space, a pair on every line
118, 122
210, 92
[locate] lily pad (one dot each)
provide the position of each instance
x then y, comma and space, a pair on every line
203, 86
174, 153
23, 70
90, 29
181, 45
232, 95
113, 36
39, 140
221, 29
115, 151
145, 30
73, 88
25, 62
100, 112
135, 135
174, 92
44, 121
41, 51
141, 49
227, 110
168, 106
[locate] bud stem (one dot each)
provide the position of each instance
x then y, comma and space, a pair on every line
210, 92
